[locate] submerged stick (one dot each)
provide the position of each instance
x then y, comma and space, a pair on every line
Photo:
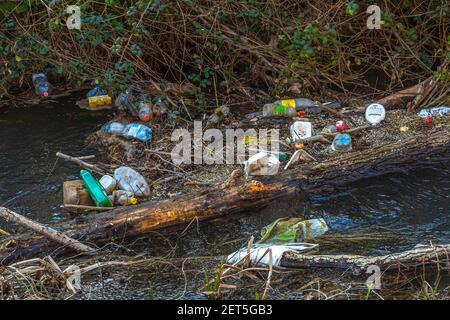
50, 233
86, 208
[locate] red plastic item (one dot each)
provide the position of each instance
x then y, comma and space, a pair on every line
429, 120
46, 94
301, 113
341, 125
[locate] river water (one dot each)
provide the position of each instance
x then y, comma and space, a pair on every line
414, 205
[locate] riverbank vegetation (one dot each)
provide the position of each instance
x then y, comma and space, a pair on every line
217, 52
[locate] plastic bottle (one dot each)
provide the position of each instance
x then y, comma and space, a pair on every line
272, 110
96, 91
137, 131
123, 198
436, 111
41, 85
114, 128
125, 101
219, 114
160, 107
342, 142
145, 112
297, 104
95, 189
130, 180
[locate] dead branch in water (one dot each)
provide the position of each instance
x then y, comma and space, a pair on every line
48, 232
419, 256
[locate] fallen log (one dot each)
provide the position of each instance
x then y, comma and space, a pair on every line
419, 256
137, 221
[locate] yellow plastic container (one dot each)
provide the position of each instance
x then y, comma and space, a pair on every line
99, 101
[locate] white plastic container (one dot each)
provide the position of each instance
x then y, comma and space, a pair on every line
262, 164
301, 130
375, 113
108, 183
130, 180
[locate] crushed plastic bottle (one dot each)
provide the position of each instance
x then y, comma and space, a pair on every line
130, 180
116, 128
137, 131
434, 112
300, 130
41, 86
292, 230
219, 114
342, 142
96, 91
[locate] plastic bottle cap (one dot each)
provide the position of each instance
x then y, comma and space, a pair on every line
45, 94
133, 201
301, 113
429, 120
146, 117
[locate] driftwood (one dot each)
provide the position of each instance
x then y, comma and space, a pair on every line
137, 221
48, 232
419, 256
81, 163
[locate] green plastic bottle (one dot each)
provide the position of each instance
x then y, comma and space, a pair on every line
95, 189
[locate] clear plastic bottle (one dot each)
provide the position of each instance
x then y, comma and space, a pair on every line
41, 85
123, 198
125, 101
145, 110
116, 128
219, 114
297, 104
160, 107
278, 110
434, 112
137, 131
